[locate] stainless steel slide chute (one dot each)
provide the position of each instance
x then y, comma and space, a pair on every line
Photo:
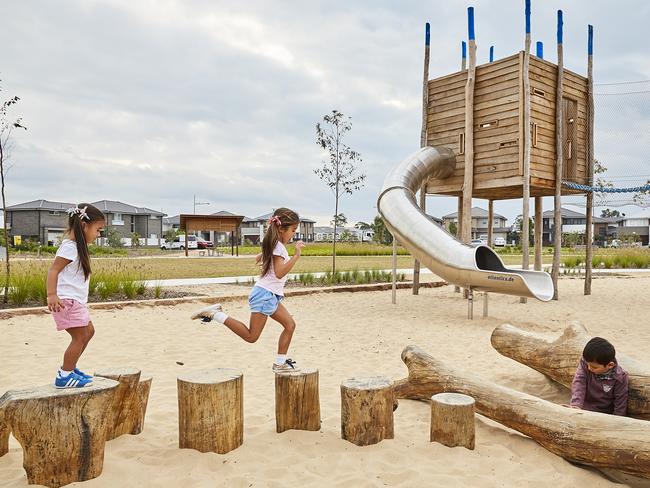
479, 268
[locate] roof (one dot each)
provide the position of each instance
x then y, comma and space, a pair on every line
476, 212
113, 206
267, 216
41, 205
225, 213
572, 214
644, 214
175, 220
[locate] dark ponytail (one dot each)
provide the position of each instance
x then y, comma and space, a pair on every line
281, 219
82, 213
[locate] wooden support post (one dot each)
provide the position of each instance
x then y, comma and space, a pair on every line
490, 237
423, 142
126, 401
394, 277
297, 401
538, 233
4, 435
211, 410
525, 211
459, 220
468, 179
470, 303
367, 410
452, 420
559, 154
590, 161
463, 59
62, 432
485, 304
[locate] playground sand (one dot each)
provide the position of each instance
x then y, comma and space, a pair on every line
343, 335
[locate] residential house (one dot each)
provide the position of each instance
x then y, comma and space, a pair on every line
253, 229
636, 224
575, 222
326, 234
45, 221
480, 223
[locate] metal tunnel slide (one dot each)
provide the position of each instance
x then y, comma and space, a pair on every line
478, 268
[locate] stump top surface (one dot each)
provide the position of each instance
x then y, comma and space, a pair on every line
210, 376
367, 383
48, 391
453, 399
125, 371
302, 372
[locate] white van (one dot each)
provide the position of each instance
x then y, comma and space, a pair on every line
179, 243
499, 241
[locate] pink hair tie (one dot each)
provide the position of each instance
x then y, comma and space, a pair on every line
275, 219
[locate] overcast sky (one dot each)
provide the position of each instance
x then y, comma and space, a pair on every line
153, 102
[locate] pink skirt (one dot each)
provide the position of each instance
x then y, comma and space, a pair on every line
74, 314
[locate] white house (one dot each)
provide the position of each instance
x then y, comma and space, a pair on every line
326, 234
638, 224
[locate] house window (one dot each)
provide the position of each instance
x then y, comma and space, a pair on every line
54, 212
117, 219
484, 222
132, 225
153, 217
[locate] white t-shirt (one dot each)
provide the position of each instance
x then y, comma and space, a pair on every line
71, 283
271, 282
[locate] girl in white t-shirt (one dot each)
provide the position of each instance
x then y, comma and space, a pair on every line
268, 292
67, 290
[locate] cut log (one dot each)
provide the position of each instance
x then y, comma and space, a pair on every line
144, 387
126, 402
367, 410
559, 359
211, 410
595, 439
452, 420
62, 432
297, 401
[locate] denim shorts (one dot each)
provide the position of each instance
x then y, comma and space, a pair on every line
263, 301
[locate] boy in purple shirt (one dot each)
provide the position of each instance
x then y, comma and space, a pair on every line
600, 384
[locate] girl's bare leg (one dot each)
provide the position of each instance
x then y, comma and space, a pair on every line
76, 347
251, 333
285, 319
90, 332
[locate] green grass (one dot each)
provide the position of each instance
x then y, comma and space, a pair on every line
612, 259
353, 277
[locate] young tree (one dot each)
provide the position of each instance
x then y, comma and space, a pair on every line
518, 224
453, 228
339, 220
7, 126
362, 226
610, 213
339, 172
381, 234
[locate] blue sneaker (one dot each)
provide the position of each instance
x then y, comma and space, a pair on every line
81, 373
73, 380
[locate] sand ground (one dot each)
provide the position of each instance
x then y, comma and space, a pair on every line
344, 335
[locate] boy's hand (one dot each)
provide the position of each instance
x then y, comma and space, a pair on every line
299, 246
54, 303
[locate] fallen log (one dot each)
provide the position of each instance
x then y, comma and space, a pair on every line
558, 360
603, 441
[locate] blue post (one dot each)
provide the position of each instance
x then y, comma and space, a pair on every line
491, 54
427, 34
463, 48
560, 26
470, 23
540, 49
590, 40
527, 16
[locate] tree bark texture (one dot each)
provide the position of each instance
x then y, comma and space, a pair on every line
297, 401
367, 410
452, 420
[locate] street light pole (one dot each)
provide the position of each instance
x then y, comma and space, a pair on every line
199, 203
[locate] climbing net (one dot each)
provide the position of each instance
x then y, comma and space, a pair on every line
621, 148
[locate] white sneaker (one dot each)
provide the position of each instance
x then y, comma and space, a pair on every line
289, 366
207, 312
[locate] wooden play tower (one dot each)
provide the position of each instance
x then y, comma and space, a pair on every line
519, 127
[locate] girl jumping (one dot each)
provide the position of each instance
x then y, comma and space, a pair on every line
268, 292
67, 290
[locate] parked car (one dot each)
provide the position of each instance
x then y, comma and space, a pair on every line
477, 242
614, 243
179, 243
204, 244
499, 241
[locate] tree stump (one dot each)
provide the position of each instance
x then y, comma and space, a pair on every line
452, 420
127, 404
4, 435
211, 410
62, 432
297, 402
367, 410
144, 387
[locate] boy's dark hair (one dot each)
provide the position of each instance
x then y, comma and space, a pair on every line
599, 350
